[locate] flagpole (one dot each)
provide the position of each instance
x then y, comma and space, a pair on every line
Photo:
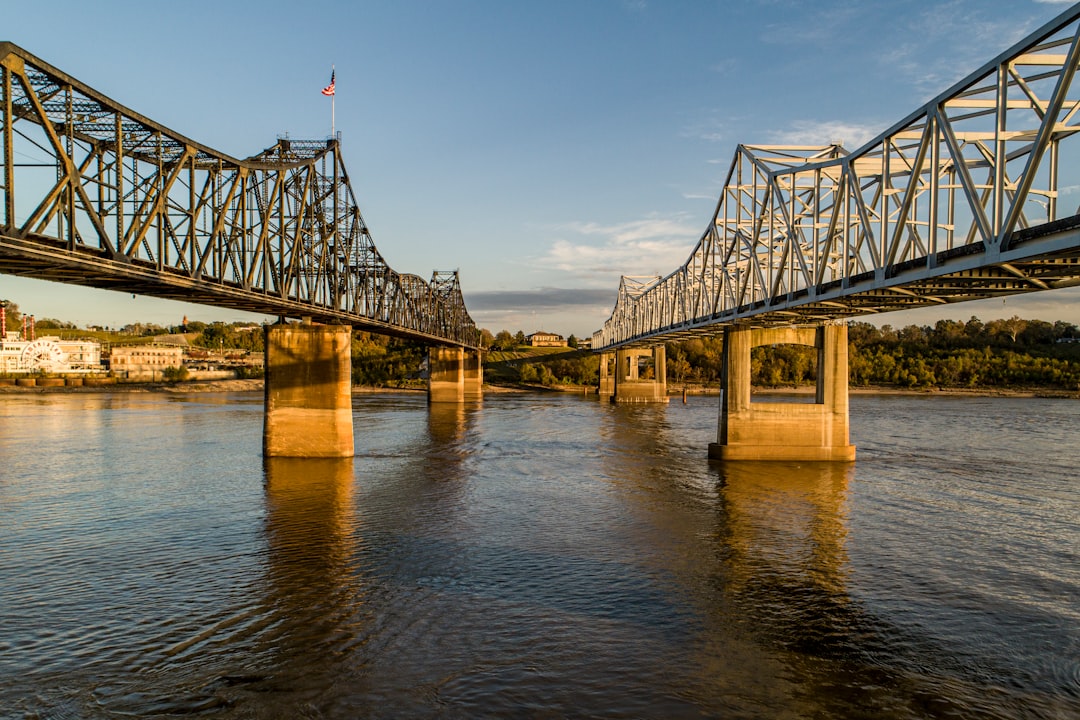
333, 99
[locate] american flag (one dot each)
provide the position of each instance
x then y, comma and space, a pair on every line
329, 89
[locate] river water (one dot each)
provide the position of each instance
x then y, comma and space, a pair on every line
535, 556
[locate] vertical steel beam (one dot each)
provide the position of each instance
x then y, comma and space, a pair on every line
935, 177
1000, 120
9, 153
193, 215
1042, 139
119, 184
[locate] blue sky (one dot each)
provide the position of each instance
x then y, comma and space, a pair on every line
542, 149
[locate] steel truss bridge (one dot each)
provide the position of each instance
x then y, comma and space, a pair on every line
95, 194
966, 198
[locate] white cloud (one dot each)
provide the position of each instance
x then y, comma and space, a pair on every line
726, 67
964, 32
712, 125
821, 28
603, 252
809, 132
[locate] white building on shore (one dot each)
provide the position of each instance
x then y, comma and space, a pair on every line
48, 354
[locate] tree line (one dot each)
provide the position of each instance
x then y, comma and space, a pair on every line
1005, 353
950, 354
1011, 352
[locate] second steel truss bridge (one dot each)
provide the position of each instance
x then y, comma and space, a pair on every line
966, 198
98, 195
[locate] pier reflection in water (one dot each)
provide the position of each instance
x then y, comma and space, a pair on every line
315, 591
756, 549
542, 555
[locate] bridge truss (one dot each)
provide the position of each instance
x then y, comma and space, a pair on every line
961, 200
95, 194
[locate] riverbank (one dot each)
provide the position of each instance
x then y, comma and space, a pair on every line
218, 386
676, 391
944, 392
181, 387
256, 385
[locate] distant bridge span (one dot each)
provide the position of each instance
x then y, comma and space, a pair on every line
966, 198
98, 195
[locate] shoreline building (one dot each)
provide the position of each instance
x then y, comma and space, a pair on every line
144, 362
48, 354
546, 339
21, 352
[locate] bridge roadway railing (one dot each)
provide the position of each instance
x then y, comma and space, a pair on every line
95, 194
966, 198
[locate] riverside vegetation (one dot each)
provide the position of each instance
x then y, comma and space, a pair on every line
1012, 353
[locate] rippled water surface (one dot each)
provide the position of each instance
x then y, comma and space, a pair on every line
535, 556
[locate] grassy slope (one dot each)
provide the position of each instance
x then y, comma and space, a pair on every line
502, 365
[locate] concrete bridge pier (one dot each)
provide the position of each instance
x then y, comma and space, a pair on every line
634, 375
784, 431
454, 375
308, 391
607, 375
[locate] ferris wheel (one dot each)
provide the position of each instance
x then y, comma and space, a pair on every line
43, 355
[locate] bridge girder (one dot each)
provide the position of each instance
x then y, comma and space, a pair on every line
960, 200
95, 194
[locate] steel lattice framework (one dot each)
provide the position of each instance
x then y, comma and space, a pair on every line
961, 200
95, 194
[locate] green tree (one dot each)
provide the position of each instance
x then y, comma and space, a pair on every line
14, 317
948, 333
1064, 329
678, 368
174, 374
213, 336
545, 376
53, 324
503, 340
912, 334
527, 373
974, 329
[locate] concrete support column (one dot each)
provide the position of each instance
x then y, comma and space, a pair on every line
632, 385
607, 374
474, 375
308, 391
446, 374
784, 431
